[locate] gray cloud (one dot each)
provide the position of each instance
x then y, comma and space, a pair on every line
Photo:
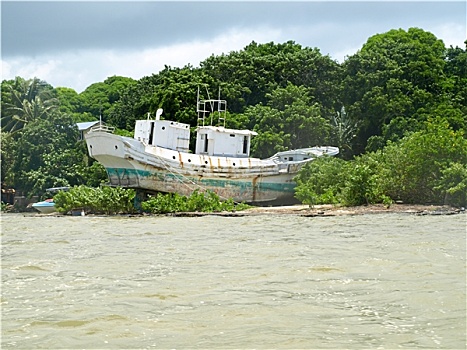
74, 44
34, 28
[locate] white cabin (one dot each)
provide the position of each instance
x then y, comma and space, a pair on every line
163, 133
219, 141
210, 140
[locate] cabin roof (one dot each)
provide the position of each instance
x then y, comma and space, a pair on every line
86, 125
221, 129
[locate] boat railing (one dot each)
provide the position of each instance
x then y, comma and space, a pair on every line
102, 128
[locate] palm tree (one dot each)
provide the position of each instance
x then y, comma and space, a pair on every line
28, 100
344, 130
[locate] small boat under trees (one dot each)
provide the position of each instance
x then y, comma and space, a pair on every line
45, 207
157, 158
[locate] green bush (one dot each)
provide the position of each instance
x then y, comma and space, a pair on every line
319, 181
104, 200
335, 181
3, 206
198, 201
427, 166
362, 182
453, 183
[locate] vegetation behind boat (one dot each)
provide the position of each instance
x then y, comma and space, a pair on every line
375, 106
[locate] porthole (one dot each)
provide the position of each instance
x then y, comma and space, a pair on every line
205, 162
233, 164
116, 147
173, 157
189, 160
163, 128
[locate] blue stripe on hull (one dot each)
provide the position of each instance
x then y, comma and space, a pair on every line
249, 190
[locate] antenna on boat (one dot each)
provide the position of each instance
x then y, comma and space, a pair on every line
211, 102
100, 114
207, 108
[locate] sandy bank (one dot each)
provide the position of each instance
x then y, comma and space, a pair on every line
318, 210
330, 210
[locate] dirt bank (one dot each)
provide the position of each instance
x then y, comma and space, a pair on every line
330, 210
318, 210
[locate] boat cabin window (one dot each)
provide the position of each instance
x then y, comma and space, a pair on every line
245, 144
290, 158
232, 135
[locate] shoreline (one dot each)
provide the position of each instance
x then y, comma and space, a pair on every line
302, 210
332, 210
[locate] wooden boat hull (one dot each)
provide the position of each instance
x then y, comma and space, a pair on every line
241, 189
131, 164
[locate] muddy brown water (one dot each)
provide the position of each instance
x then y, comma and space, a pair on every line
381, 281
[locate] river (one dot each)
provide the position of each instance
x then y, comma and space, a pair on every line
380, 281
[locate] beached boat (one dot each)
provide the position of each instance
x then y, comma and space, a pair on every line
45, 207
157, 158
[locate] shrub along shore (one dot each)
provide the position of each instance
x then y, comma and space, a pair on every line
118, 201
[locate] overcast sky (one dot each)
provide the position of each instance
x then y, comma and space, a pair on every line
76, 44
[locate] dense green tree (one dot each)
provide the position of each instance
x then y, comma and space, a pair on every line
250, 74
173, 89
244, 79
98, 99
271, 138
47, 154
393, 75
289, 120
455, 89
416, 168
456, 73
69, 100
132, 105
176, 92
8, 145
